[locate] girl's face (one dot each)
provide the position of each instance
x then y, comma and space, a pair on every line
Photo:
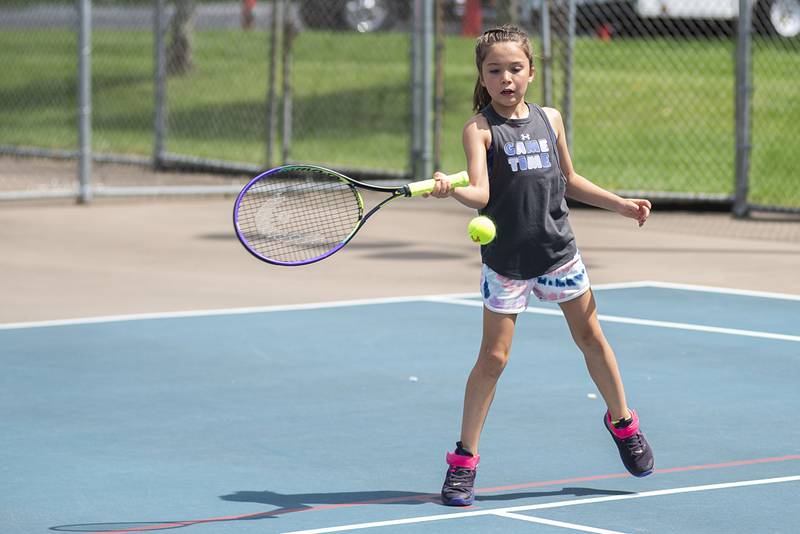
506, 73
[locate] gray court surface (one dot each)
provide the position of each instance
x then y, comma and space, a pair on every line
336, 417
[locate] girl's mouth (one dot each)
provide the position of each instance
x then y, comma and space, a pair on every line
507, 92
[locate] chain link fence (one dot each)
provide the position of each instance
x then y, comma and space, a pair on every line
650, 88
381, 89
38, 88
775, 160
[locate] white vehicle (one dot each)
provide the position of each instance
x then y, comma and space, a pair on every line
364, 15
777, 17
780, 17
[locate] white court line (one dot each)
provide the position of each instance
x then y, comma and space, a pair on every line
225, 311
543, 521
360, 302
640, 322
257, 309
723, 290
550, 505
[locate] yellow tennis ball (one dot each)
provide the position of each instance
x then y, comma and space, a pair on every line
481, 230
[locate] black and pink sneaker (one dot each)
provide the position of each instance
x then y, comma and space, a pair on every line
636, 454
459, 483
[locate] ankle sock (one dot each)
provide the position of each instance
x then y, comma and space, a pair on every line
623, 423
461, 451
625, 428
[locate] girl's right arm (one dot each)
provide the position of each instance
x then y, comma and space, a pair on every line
476, 139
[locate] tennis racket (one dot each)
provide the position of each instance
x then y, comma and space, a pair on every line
300, 214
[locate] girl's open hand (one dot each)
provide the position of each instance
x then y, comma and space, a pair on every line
636, 208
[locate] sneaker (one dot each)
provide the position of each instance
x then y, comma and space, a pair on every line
459, 483
633, 448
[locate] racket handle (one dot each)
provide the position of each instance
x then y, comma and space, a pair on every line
414, 189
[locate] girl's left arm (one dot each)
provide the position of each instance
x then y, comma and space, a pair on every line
583, 190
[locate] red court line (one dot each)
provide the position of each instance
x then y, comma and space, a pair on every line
662, 471
435, 496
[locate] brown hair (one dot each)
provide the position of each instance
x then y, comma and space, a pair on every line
503, 34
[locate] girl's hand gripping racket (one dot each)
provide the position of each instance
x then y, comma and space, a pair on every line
300, 214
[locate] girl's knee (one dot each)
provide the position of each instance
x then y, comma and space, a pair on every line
491, 362
589, 340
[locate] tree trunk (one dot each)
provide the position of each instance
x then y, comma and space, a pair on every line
507, 11
179, 53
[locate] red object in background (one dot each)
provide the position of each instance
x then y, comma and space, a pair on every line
473, 19
247, 13
604, 32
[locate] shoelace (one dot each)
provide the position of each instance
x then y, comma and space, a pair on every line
634, 444
460, 476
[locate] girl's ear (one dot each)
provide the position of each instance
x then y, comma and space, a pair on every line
533, 74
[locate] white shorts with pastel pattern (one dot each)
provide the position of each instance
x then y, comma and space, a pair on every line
507, 295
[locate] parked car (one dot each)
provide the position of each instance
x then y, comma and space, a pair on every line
777, 17
364, 15
632, 17
640, 17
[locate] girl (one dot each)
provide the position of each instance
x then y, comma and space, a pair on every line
520, 173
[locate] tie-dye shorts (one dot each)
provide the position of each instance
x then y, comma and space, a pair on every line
507, 295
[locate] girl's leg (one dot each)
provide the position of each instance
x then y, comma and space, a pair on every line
498, 330
634, 450
581, 315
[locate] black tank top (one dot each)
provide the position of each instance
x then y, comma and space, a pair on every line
526, 197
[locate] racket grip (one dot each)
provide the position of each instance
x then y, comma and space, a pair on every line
459, 179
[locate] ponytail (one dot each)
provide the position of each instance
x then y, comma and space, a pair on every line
481, 98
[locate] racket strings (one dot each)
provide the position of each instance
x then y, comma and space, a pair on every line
297, 219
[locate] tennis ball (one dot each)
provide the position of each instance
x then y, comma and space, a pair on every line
481, 230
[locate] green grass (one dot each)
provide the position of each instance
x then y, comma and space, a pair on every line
651, 115
659, 115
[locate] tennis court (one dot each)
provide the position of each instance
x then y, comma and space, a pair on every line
156, 377
335, 417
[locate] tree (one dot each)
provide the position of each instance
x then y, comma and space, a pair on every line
179, 53
507, 11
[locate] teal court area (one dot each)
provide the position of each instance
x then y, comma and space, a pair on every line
336, 417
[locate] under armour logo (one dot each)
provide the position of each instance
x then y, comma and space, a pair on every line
525, 137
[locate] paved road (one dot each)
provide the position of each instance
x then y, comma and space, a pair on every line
216, 15
213, 15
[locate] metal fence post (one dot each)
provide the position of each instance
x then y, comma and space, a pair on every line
422, 88
274, 54
160, 104
547, 54
416, 87
438, 80
85, 101
288, 40
426, 155
569, 53
743, 101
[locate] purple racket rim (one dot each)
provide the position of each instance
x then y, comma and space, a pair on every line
277, 170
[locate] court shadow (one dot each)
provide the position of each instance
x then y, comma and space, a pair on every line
297, 502
287, 503
577, 492
415, 255
284, 503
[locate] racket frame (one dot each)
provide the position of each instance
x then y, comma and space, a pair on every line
406, 190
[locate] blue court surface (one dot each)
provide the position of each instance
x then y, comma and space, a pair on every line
336, 417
